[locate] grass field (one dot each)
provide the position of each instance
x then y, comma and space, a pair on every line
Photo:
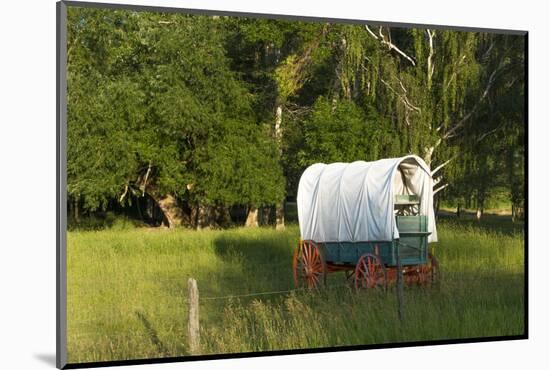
127, 293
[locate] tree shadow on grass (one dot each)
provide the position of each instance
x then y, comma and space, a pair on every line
242, 266
152, 334
490, 222
254, 263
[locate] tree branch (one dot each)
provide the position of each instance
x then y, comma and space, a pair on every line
144, 185
297, 68
477, 140
486, 54
389, 44
438, 168
440, 188
403, 97
460, 123
123, 194
490, 132
431, 65
372, 33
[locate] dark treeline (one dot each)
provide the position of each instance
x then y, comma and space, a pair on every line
193, 119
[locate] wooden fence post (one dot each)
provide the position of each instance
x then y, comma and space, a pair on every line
193, 326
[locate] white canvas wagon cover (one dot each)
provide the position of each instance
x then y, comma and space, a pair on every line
352, 202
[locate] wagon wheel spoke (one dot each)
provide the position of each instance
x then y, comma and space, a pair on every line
370, 264
304, 261
362, 274
317, 263
369, 272
305, 251
313, 280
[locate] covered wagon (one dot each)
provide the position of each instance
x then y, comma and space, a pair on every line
366, 218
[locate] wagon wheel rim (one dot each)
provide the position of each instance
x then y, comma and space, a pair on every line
309, 265
370, 272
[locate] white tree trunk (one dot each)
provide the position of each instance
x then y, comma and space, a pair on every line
278, 121
171, 210
252, 218
431, 65
280, 216
75, 212
204, 217
479, 213
280, 212
264, 215
428, 155
480, 204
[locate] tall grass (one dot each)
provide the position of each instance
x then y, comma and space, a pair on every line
127, 294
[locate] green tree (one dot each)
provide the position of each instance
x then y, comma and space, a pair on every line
340, 131
201, 113
153, 101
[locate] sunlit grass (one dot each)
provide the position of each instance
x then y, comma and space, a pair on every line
127, 293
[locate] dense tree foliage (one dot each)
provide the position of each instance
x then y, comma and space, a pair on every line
155, 107
199, 113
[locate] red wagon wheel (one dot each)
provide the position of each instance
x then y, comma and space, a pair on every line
308, 265
370, 272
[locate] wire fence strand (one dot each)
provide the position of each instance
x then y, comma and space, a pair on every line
182, 279
458, 280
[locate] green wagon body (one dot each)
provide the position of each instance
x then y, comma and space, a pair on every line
413, 245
